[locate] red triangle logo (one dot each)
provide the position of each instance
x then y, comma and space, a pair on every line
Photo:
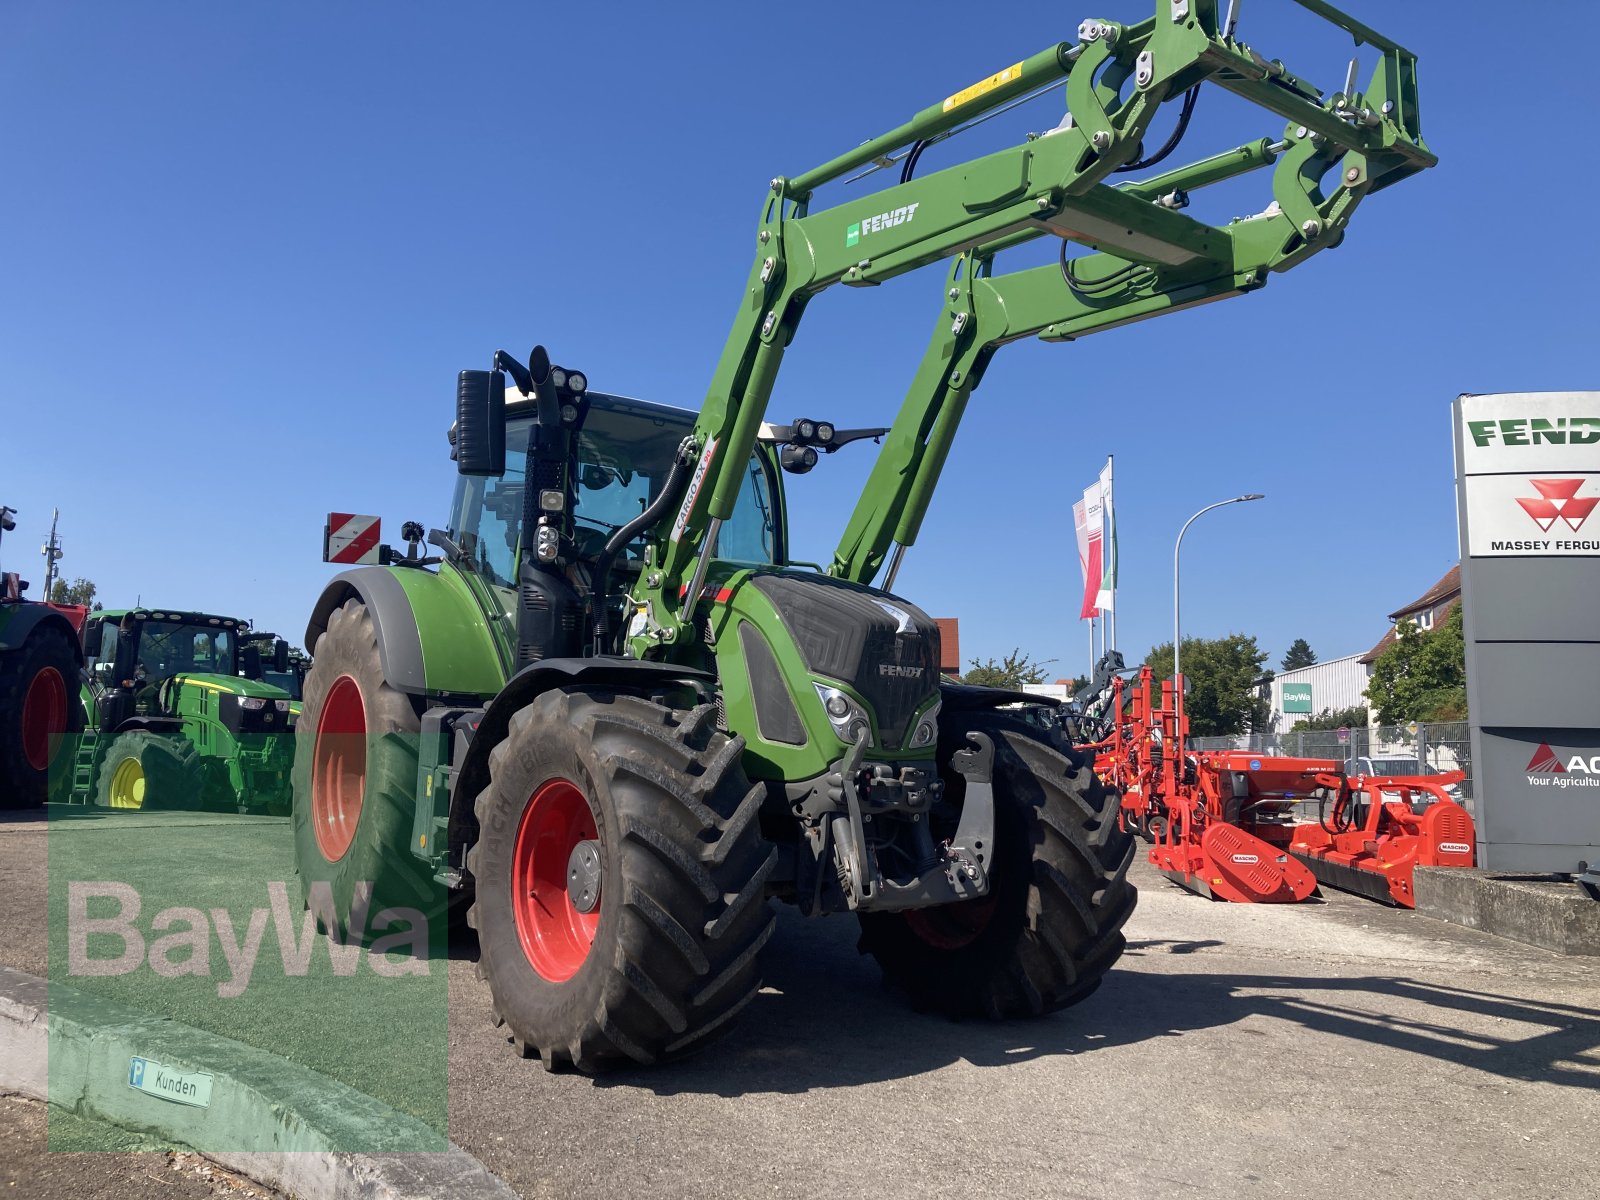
1545, 762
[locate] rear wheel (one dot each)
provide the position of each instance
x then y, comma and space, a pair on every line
144, 771
38, 710
355, 778
1051, 925
621, 879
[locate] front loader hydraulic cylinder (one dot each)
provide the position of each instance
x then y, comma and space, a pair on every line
1041, 69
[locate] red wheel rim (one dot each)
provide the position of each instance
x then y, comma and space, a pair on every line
555, 936
952, 926
339, 768
44, 717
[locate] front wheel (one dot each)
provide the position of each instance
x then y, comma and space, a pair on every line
144, 771
355, 781
1051, 925
621, 880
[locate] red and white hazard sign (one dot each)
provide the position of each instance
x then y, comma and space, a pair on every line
350, 538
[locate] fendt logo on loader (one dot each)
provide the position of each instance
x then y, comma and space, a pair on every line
896, 216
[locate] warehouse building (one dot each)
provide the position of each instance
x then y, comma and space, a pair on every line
1304, 692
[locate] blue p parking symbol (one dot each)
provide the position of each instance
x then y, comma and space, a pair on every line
136, 1072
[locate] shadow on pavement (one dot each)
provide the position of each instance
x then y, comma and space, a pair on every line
824, 1021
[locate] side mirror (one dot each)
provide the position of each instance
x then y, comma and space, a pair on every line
280, 657
250, 660
481, 423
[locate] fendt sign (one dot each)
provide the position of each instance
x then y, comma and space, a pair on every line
1527, 489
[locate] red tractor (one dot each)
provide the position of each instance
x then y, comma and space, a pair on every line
40, 658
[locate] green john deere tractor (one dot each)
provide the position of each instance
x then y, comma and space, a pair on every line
173, 723
39, 664
616, 718
269, 658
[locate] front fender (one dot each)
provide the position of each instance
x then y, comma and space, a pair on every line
431, 636
624, 674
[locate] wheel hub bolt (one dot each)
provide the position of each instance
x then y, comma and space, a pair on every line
583, 876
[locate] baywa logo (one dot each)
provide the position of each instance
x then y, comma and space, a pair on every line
1558, 499
1547, 769
885, 220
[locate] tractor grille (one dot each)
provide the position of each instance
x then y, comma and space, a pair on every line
883, 647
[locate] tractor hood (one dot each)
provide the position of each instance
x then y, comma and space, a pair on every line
788, 641
240, 705
233, 685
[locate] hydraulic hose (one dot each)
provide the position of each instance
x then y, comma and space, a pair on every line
670, 493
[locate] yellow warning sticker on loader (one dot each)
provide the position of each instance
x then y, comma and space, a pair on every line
983, 87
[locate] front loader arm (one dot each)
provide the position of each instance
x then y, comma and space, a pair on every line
1062, 302
1117, 77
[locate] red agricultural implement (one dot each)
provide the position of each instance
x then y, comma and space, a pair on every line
1379, 828
1227, 824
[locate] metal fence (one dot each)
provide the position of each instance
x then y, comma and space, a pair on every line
1378, 749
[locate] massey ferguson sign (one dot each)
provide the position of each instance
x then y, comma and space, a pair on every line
1527, 490
1533, 514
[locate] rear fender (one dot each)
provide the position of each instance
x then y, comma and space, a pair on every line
27, 619
431, 636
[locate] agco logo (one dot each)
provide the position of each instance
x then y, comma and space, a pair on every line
1546, 769
1558, 499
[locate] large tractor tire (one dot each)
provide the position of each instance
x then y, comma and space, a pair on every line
1059, 896
621, 880
39, 711
355, 780
150, 772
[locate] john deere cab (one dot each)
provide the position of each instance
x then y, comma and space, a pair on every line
171, 721
616, 717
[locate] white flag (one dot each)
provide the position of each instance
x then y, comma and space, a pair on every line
1107, 599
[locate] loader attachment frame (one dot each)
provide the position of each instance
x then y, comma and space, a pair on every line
1116, 78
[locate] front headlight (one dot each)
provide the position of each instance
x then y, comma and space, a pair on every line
283, 705
252, 703
927, 731
849, 719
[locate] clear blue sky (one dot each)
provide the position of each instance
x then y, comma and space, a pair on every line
248, 246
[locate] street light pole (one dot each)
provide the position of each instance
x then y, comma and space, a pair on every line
1177, 632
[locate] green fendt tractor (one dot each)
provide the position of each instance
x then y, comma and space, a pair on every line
617, 719
39, 664
172, 721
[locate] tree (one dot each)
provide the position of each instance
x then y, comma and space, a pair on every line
1300, 654
1222, 676
79, 591
1012, 672
1333, 718
1423, 676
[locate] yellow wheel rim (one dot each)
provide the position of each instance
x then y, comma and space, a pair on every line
127, 785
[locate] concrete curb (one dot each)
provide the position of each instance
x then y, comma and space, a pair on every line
1553, 916
285, 1122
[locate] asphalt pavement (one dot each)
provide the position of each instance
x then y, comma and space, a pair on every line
1306, 1050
